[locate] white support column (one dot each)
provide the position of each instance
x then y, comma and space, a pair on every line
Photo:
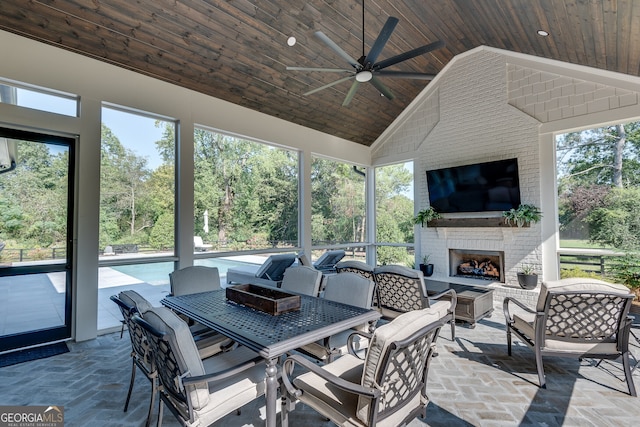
85, 285
304, 203
184, 225
549, 208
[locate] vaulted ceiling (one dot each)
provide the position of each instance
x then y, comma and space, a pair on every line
237, 50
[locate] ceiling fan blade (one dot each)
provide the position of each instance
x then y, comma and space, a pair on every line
408, 55
382, 39
337, 49
351, 93
405, 75
382, 88
318, 89
325, 70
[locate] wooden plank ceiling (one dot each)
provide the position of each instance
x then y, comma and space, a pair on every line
236, 50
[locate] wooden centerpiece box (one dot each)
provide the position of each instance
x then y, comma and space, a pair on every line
268, 300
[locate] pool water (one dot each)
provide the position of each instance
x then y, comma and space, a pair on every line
158, 273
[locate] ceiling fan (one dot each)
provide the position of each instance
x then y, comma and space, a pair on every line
366, 69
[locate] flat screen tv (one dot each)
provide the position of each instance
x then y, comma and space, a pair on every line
480, 187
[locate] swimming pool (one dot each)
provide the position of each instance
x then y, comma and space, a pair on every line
157, 273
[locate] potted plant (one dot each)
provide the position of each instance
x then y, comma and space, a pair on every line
527, 278
426, 215
425, 266
524, 214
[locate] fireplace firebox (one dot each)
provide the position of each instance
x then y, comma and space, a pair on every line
477, 264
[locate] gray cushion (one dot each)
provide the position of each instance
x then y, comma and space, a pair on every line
184, 348
303, 280
134, 299
349, 288
400, 328
194, 279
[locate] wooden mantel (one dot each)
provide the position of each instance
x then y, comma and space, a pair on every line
471, 222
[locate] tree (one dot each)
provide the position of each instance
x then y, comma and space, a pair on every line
617, 221
125, 200
590, 164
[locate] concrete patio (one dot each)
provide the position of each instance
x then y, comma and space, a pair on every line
471, 383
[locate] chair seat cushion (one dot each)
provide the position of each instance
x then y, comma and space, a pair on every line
525, 323
227, 395
339, 405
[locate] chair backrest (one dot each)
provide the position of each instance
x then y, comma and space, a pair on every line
329, 259
397, 363
176, 356
304, 260
303, 280
582, 310
357, 267
194, 279
400, 288
349, 288
197, 241
131, 303
274, 267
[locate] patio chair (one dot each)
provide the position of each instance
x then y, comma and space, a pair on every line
387, 388
192, 280
270, 273
358, 267
131, 303
347, 288
199, 245
302, 280
197, 393
576, 317
401, 289
328, 260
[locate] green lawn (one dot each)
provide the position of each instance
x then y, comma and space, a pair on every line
581, 244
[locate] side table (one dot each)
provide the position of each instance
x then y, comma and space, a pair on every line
474, 302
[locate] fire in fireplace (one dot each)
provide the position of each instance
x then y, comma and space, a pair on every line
477, 264
482, 268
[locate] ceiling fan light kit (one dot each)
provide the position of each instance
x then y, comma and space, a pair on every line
364, 76
366, 69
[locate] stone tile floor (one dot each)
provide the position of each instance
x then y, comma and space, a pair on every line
472, 382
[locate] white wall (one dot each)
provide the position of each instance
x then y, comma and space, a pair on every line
489, 104
34, 63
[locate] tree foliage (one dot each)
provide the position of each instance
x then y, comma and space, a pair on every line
598, 170
248, 190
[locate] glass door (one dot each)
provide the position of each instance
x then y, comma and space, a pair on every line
36, 228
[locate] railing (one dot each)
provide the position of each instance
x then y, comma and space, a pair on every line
590, 261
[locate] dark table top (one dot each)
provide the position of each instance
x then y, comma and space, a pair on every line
270, 335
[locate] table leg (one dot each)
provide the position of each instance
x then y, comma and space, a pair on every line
271, 391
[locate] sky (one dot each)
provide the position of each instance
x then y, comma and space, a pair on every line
138, 133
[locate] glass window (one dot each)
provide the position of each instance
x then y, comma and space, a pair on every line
38, 99
137, 184
394, 213
338, 203
245, 194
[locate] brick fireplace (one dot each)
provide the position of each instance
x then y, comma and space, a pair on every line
482, 265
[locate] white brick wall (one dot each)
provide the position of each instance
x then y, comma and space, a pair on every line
488, 105
551, 97
473, 123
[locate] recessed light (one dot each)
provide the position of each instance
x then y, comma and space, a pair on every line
543, 33
291, 41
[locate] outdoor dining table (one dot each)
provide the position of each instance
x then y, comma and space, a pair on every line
271, 336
